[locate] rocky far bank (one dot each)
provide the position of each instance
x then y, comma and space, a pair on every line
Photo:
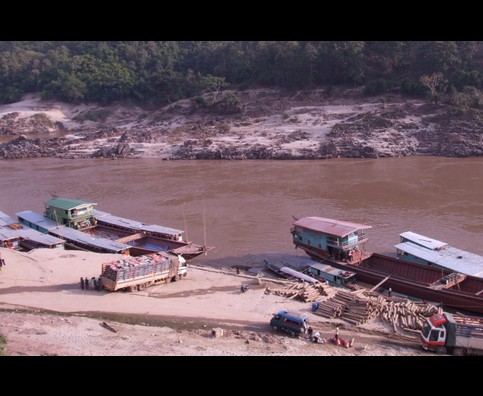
252, 124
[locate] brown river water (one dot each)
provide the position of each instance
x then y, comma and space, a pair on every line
245, 208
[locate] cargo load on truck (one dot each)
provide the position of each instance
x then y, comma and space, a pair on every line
137, 273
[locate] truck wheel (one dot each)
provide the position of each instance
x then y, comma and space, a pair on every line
275, 328
459, 352
142, 286
133, 288
441, 350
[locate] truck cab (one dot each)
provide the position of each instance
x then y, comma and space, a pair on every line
433, 334
456, 334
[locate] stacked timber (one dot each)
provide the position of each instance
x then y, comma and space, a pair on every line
407, 314
350, 307
357, 309
306, 292
330, 308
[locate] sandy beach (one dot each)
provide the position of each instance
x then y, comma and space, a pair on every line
45, 312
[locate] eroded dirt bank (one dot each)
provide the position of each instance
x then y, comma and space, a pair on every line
262, 124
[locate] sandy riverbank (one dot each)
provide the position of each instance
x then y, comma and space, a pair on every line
45, 312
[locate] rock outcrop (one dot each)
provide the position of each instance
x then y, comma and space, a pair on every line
255, 124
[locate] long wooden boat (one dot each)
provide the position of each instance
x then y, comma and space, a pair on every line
146, 238
341, 244
80, 226
288, 273
444, 287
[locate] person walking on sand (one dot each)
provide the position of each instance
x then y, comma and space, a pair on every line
82, 283
310, 330
87, 283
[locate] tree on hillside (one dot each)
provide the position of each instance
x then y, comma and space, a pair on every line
165, 71
435, 82
214, 85
349, 58
67, 86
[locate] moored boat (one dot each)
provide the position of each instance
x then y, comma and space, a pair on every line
289, 273
428, 251
449, 288
83, 227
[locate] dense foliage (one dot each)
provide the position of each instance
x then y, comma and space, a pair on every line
165, 71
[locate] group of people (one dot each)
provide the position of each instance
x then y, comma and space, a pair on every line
337, 340
93, 284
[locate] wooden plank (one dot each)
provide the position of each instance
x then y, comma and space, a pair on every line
380, 283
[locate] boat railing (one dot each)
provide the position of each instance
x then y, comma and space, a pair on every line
346, 244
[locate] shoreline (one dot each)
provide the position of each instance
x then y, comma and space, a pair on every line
186, 310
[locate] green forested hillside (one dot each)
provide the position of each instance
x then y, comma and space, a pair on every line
164, 71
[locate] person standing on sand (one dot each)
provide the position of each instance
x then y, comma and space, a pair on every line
87, 283
82, 283
340, 341
310, 331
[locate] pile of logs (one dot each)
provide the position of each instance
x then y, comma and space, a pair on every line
350, 307
407, 314
305, 292
330, 309
358, 309
359, 306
